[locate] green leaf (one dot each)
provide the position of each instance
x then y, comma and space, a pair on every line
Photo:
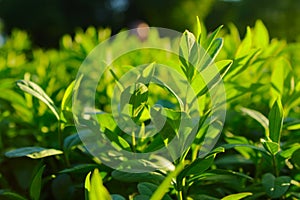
94, 187
72, 141
147, 189
279, 75
32, 152
295, 125
164, 186
199, 166
87, 185
198, 30
242, 63
137, 96
271, 147
260, 35
245, 45
296, 158
211, 37
275, 187
237, 196
260, 118
230, 146
117, 197
106, 121
188, 54
18, 103
211, 53
223, 66
287, 153
36, 184
234, 139
219, 174
67, 98
8, 195
66, 104
80, 168
141, 197
214, 77
152, 177
276, 121
203, 196
38, 92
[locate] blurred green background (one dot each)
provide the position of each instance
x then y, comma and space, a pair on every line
47, 20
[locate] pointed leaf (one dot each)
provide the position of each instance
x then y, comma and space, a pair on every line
164, 186
237, 196
260, 118
32, 152
271, 147
261, 35
36, 91
5, 194
95, 188
276, 121
245, 46
66, 104
36, 184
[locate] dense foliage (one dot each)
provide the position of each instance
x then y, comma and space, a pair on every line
256, 157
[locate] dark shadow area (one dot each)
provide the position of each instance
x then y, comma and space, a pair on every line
48, 20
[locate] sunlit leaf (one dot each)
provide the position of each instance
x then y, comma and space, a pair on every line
260, 35
237, 196
245, 45
66, 104
32, 152
94, 187
36, 91
260, 118
276, 121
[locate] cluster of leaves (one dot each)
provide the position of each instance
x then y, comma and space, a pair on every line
257, 156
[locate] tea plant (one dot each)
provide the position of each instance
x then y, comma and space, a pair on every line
257, 154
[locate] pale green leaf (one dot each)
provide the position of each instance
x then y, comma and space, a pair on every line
260, 35
260, 118
36, 91
245, 45
94, 187
237, 196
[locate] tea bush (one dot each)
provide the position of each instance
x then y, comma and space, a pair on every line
256, 156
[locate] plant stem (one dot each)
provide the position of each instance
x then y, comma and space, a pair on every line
180, 195
60, 137
61, 145
133, 142
275, 166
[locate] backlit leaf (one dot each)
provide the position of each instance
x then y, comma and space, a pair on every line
237, 196
36, 91
276, 121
